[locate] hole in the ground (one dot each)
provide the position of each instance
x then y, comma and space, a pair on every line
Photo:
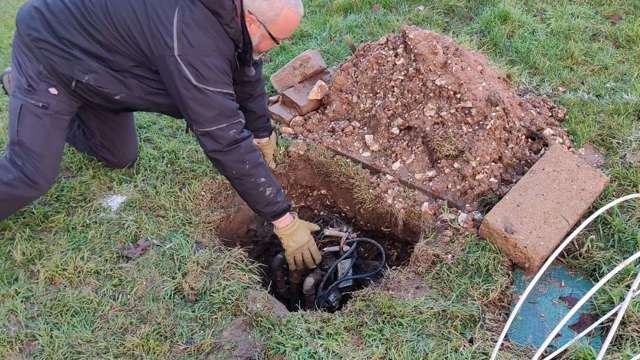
329, 287
332, 193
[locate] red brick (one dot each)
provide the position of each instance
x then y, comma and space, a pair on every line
298, 96
282, 113
304, 66
531, 221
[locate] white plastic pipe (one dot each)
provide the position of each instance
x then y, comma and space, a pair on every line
618, 320
582, 301
587, 330
548, 263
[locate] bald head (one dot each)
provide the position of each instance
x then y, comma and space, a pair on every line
281, 17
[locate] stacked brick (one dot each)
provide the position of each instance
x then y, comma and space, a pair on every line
301, 85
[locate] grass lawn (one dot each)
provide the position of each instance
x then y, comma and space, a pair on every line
66, 292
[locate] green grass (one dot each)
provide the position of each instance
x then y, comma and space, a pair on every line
64, 286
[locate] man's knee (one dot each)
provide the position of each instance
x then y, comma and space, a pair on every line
20, 188
31, 184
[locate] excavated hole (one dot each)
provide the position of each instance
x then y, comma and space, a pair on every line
318, 198
256, 236
327, 191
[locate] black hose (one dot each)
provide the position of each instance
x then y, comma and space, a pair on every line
352, 244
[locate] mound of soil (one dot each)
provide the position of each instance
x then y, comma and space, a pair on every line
420, 107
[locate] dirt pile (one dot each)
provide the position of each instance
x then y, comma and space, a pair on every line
420, 107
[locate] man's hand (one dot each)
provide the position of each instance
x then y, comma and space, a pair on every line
300, 248
5, 79
267, 147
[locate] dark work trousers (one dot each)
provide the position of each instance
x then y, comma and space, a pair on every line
42, 118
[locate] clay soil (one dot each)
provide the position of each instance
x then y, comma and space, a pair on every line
420, 107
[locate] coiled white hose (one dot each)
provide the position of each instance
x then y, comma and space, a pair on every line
583, 301
618, 320
548, 263
588, 330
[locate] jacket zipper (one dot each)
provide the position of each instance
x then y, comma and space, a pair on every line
33, 102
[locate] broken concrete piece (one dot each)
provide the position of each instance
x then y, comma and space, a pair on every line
535, 216
304, 66
298, 96
319, 91
282, 113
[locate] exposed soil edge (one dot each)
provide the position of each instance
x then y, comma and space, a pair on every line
317, 179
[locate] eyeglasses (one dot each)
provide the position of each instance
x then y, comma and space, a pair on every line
273, 38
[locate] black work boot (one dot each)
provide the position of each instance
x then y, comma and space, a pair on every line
5, 79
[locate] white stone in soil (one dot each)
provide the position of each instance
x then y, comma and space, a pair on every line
371, 143
462, 219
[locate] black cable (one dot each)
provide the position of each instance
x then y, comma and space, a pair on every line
367, 275
322, 294
351, 250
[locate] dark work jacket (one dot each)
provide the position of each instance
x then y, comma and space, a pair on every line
188, 59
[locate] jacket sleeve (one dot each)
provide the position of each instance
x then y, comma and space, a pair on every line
252, 97
202, 87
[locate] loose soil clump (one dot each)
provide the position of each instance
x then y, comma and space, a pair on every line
420, 107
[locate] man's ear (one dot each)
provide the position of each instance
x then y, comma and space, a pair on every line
253, 25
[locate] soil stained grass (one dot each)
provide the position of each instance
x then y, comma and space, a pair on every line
66, 292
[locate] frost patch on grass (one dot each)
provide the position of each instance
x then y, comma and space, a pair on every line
113, 202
